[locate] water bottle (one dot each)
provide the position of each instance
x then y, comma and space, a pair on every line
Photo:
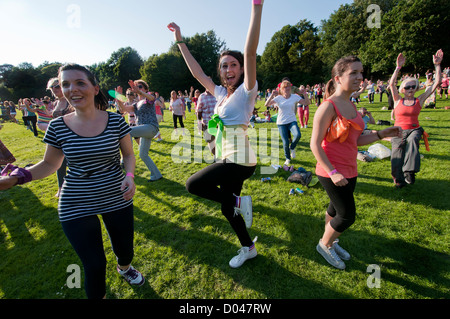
291, 192
298, 190
265, 179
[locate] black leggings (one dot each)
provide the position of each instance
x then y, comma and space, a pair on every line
85, 235
180, 118
342, 203
219, 182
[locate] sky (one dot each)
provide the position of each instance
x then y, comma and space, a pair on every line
89, 31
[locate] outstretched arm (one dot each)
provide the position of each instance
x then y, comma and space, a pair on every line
392, 86
251, 44
437, 59
191, 63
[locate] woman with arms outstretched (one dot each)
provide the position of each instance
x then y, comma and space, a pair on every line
222, 181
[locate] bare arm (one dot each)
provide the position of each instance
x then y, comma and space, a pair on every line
129, 162
400, 62
322, 120
192, 64
270, 100
437, 59
393, 131
53, 159
251, 47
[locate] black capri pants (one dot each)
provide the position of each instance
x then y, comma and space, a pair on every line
342, 203
219, 182
178, 118
85, 236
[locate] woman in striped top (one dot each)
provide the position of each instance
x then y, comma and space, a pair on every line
91, 139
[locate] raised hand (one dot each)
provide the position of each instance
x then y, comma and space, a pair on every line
176, 31
438, 57
400, 60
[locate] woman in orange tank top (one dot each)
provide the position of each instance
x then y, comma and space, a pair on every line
336, 160
405, 157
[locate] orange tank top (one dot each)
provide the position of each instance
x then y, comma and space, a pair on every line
343, 155
407, 116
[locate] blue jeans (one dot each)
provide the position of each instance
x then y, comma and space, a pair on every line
284, 130
146, 132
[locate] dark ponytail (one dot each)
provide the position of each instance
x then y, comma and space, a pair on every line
329, 89
339, 68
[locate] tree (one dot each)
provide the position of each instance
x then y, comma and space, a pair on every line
292, 52
415, 28
168, 71
123, 65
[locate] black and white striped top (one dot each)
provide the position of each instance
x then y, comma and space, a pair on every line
94, 178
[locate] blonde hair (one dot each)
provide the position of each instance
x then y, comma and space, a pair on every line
406, 80
285, 84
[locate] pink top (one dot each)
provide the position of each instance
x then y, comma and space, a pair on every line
407, 117
343, 155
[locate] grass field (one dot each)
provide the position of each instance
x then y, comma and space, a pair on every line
183, 243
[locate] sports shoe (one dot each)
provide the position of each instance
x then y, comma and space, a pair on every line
132, 276
292, 153
287, 162
330, 255
245, 208
244, 254
410, 177
341, 252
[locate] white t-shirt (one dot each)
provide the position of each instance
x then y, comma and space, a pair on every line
235, 113
287, 108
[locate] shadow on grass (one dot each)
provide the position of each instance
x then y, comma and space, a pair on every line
35, 255
366, 249
430, 193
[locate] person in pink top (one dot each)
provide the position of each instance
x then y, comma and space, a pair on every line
336, 161
405, 157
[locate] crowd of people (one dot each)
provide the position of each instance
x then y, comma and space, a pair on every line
97, 147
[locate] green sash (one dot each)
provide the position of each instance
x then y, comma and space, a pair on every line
215, 127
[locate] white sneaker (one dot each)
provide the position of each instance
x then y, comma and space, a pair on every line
244, 254
292, 153
342, 253
244, 207
287, 162
132, 276
330, 255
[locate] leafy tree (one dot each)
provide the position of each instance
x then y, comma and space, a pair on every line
415, 28
123, 65
168, 71
292, 52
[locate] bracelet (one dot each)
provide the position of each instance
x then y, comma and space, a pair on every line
378, 134
179, 42
332, 172
130, 174
257, 2
398, 68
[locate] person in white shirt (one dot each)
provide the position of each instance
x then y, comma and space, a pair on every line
222, 181
286, 119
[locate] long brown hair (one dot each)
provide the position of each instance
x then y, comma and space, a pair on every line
338, 70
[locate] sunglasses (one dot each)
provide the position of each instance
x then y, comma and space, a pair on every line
410, 87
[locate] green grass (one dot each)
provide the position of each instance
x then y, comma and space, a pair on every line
183, 243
